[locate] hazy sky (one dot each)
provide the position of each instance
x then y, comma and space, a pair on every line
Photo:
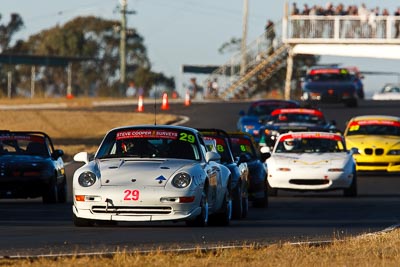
178, 32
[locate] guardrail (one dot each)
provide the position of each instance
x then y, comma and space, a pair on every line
341, 29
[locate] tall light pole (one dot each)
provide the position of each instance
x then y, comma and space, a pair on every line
244, 37
122, 45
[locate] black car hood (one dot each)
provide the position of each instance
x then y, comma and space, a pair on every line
22, 160
325, 86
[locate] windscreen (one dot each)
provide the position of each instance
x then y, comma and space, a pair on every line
150, 143
242, 145
374, 127
324, 75
23, 144
297, 115
310, 144
222, 147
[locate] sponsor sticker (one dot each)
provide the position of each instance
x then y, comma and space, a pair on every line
375, 122
164, 134
37, 139
321, 135
297, 111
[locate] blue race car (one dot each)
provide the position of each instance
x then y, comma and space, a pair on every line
294, 120
258, 112
330, 85
244, 148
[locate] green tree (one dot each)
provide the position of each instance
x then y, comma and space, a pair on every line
7, 31
95, 41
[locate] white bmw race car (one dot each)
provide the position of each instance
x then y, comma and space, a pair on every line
151, 173
315, 161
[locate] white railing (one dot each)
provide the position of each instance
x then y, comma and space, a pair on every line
230, 72
341, 29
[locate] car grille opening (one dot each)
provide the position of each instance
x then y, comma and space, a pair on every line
309, 181
373, 164
371, 151
132, 210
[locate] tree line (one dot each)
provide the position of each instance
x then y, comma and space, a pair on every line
96, 41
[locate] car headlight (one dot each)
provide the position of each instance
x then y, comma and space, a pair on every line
394, 152
87, 179
181, 180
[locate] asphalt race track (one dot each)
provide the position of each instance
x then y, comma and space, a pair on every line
27, 227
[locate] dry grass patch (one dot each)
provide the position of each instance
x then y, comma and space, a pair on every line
74, 130
377, 250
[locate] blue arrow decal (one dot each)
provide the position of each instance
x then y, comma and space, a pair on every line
160, 179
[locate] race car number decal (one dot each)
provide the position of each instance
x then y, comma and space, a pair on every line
220, 148
187, 137
354, 128
131, 195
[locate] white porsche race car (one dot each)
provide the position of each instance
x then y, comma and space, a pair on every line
315, 161
151, 173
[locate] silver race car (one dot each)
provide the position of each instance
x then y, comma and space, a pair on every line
151, 173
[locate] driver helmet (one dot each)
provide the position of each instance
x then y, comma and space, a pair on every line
288, 144
282, 117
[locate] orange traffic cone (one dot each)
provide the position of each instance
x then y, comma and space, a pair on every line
164, 105
187, 99
140, 107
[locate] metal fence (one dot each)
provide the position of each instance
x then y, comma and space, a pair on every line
343, 29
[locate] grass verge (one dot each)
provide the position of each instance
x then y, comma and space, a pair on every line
371, 250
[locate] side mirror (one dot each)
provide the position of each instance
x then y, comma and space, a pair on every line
265, 153
245, 157
242, 113
57, 153
354, 150
82, 157
212, 156
265, 149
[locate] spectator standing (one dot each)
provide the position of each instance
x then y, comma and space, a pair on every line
385, 14
363, 14
295, 23
215, 87
397, 23
329, 11
372, 24
131, 90
270, 34
306, 12
193, 88
313, 22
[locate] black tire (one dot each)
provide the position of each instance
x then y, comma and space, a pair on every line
272, 192
262, 202
50, 193
62, 191
352, 190
237, 207
81, 222
245, 206
202, 219
223, 218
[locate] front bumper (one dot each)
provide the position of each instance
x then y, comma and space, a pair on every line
309, 180
152, 205
377, 163
23, 187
